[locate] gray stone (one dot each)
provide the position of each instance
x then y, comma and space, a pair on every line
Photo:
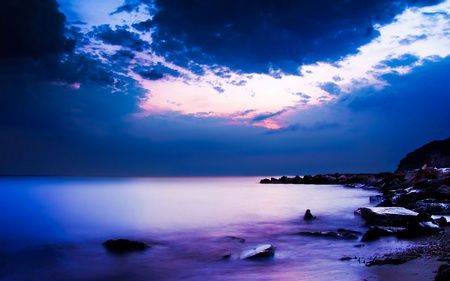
388, 216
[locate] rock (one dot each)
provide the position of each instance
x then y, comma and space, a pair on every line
419, 229
265, 181
226, 256
388, 216
376, 198
346, 259
370, 235
386, 203
308, 216
340, 233
262, 251
442, 221
375, 232
124, 245
443, 273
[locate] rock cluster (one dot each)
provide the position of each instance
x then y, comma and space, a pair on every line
422, 190
350, 180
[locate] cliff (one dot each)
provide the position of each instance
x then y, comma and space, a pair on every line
434, 154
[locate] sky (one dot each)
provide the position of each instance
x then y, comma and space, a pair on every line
219, 88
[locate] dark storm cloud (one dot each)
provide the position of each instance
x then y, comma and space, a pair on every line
120, 37
255, 36
32, 28
60, 112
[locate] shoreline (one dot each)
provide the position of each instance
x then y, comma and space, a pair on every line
420, 261
423, 191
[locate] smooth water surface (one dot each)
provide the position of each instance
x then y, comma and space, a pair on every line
53, 228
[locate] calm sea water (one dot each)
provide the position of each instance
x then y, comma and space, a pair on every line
53, 229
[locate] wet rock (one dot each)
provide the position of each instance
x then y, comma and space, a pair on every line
340, 233
124, 245
420, 229
376, 198
443, 273
442, 221
386, 203
388, 216
308, 216
265, 181
370, 235
261, 251
346, 259
375, 232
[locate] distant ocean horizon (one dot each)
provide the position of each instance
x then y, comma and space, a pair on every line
55, 227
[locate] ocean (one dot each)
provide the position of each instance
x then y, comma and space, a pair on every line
53, 229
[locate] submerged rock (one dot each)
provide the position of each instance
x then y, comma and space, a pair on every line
262, 251
124, 245
340, 233
234, 238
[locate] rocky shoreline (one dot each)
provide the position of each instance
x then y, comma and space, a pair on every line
411, 204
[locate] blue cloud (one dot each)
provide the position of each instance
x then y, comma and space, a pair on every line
331, 88
318, 126
412, 38
403, 60
121, 37
264, 116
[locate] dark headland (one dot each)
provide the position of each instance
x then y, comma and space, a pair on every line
412, 203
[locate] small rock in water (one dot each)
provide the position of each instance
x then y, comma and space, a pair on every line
124, 245
226, 256
308, 216
262, 251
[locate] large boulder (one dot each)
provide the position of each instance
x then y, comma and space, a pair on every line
388, 216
